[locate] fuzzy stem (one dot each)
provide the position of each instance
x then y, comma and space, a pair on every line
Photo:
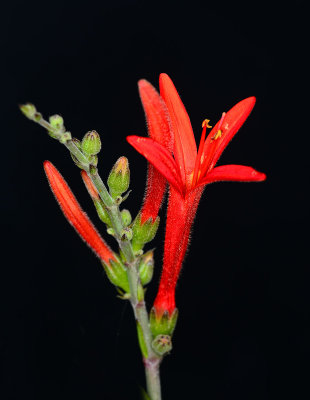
151, 359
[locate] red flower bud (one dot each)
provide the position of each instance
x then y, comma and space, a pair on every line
75, 215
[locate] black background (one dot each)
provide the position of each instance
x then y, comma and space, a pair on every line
244, 328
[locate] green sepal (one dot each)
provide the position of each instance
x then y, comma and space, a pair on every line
162, 344
143, 233
126, 217
102, 213
117, 274
126, 234
119, 178
146, 268
164, 324
142, 341
75, 160
91, 143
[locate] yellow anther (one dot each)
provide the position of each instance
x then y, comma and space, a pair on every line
206, 123
217, 135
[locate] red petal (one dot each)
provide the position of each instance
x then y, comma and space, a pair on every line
75, 215
160, 157
239, 173
233, 120
185, 150
157, 116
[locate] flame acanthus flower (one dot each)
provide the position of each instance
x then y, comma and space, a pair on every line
188, 171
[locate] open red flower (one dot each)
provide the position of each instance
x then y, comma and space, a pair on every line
187, 172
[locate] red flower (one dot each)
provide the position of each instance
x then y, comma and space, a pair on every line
75, 215
187, 172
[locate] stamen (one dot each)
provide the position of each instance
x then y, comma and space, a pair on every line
199, 158
219, 132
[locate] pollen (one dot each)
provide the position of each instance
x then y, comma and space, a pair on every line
205, 123
218, 134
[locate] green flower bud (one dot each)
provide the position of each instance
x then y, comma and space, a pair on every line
126, 217
57, 122
91, 143
65, 137
28, 110
146, 268
143, 233
117, 274
119, 178
164, 324
162, 344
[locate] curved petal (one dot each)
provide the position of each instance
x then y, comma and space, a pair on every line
160, 157
185, 150
234, 119
157, 116
238, 173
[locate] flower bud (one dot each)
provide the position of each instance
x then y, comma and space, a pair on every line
126, 217
57, 122
101, 211
143, 232
146, 268
28, 110
91, 143
163, 324
119, 178
162, 344
117, 274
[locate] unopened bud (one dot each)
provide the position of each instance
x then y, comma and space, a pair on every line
117, 274
119, 178
91, 143
162, 344
143, 232
126, 217
146, 268
28, 110
65, 137
57, 122
93, 192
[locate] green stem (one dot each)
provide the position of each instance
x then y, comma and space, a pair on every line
153, 378
151, 359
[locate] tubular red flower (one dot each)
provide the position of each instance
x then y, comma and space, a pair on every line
75, 215
159, 129
187, 173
